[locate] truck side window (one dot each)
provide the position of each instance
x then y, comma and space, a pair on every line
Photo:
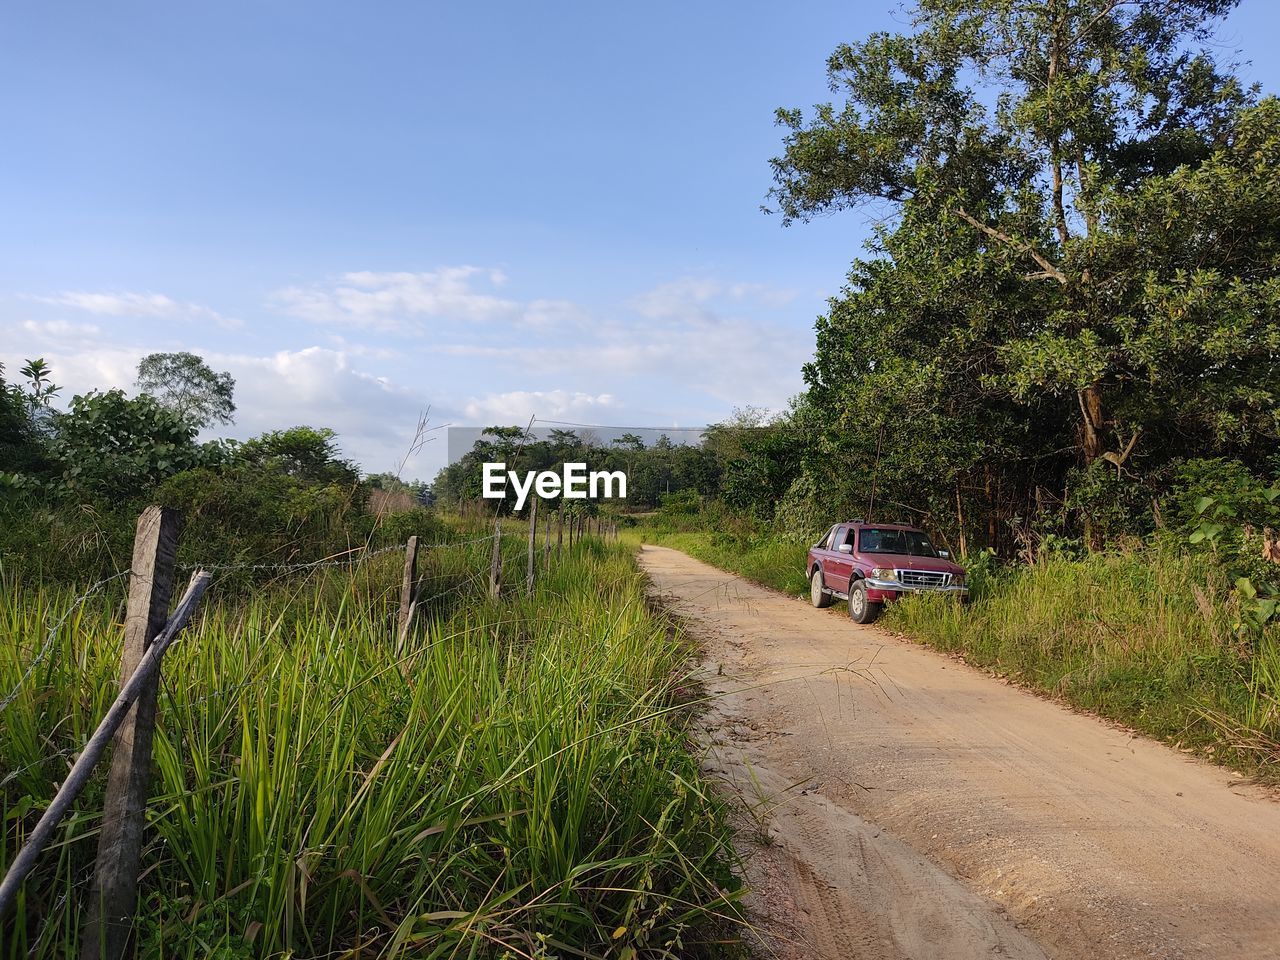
828, 542
850, 535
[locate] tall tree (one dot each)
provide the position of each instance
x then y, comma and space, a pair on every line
1078, 245
185, 384
1017, 124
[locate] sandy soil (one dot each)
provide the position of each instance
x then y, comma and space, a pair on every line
897, 803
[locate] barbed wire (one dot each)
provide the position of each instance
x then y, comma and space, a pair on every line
347, 559
53, 635
15, 774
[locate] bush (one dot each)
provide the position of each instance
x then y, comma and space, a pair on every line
115, 447
1229, 482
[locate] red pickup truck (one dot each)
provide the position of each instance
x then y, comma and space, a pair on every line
869, 564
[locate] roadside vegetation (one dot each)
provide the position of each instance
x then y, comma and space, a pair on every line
515, 782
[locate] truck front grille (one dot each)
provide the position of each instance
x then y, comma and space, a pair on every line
923, 578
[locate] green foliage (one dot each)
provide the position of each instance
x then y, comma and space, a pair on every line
1250, 556
185, 384
114, 447
1229, 483
1109, 503
23, 417
309, 454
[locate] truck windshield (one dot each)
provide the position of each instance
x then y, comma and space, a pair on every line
911, 543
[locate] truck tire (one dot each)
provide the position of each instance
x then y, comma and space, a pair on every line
817, 595
862, 610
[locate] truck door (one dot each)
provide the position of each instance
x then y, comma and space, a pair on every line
839, 566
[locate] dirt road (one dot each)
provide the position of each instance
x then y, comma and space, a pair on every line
901, 804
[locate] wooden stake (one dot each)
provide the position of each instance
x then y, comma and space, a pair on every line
96, 746
113, 895
533, 544
495, 567
408, 592
559, 529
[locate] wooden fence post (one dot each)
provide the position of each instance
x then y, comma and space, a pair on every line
495, 566
113, 895
408, 592
559, 529
533, 543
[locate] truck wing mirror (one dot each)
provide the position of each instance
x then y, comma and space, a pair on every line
845, 548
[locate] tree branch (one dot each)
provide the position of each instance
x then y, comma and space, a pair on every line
1050, 271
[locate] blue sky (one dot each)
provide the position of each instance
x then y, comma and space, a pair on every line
362, 210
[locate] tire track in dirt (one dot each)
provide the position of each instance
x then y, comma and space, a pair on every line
899, 804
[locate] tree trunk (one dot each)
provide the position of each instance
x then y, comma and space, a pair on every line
962, 542
1093, 447
1092, 443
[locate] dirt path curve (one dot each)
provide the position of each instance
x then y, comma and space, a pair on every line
906, 805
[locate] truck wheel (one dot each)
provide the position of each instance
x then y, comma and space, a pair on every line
819, 597
862, 610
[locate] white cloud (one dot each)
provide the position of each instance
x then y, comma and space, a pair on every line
517, 406
691, 298
374, 417
46, 330
697, 335
400, 301
131, 304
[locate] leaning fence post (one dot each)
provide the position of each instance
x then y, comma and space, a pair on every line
533, 544
495, 566
408, 591
559, 529
113, 895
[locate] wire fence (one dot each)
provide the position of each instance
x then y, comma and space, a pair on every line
348, 560
146, 641
52, 636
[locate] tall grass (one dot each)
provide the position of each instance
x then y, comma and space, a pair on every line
516, 782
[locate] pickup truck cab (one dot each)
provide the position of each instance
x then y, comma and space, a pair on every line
870, 564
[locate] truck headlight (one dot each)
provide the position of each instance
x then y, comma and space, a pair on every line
883, 573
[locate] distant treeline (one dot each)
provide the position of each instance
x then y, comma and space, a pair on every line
73, 482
